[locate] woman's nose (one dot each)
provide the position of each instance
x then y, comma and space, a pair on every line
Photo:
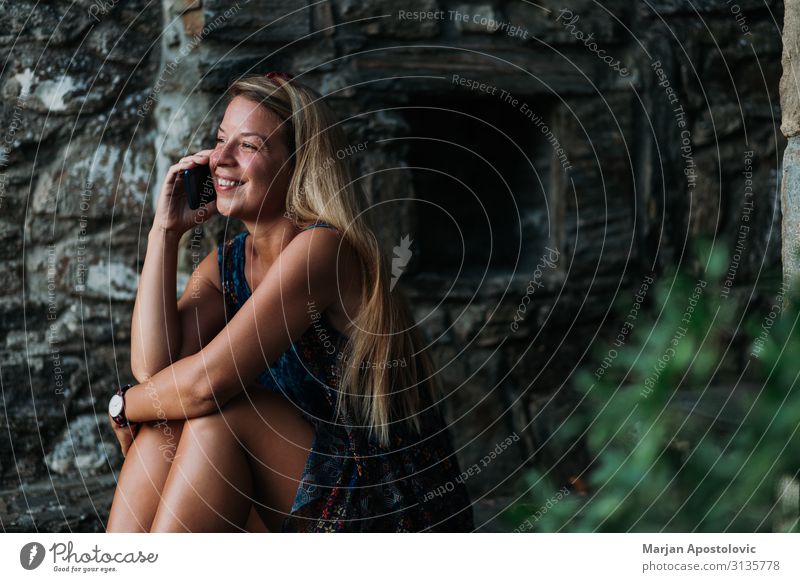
222, 155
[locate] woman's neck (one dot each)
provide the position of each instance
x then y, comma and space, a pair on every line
269, 237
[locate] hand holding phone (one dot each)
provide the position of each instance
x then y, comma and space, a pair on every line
187, 196
199, 186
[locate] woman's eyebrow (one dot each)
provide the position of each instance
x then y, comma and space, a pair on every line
246, 133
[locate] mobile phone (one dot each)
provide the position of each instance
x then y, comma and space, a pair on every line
199, 186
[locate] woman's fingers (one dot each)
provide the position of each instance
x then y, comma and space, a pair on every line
133, 429
210, 210
204, 212
198, 159
126, 439
172, 212
125, 435
186, 164
190, 161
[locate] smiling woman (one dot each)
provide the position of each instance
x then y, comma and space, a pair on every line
264, 392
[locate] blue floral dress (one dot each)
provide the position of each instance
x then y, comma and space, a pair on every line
350, 482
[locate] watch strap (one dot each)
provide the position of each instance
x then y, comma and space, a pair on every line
121, 419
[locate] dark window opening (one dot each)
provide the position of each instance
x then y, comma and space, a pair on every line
480, 200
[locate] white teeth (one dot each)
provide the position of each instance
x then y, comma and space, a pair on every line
223, 182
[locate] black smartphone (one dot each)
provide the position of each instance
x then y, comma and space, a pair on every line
199, 186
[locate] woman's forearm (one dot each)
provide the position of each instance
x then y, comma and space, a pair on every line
155, 328
177, 392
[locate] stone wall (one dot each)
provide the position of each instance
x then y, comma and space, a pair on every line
75, 170
538, 179
790, 104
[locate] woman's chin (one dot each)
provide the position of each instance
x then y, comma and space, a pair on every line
226, 206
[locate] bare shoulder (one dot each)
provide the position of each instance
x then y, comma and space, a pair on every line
325, 250
332, 263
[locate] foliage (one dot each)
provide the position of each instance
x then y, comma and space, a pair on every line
671, 451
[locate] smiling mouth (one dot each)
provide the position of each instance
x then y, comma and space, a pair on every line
224, 184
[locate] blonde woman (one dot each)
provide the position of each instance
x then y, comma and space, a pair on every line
286, 390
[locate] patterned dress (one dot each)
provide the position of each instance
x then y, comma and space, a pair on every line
350, 482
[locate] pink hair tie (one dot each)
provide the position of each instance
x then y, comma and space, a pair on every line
279, 74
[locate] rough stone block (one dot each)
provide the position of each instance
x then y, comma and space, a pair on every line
86, 447
11, 240
671, 7
476, 18
183, 6
137, 25
193, 23
790, 81
790, 208
11, 278
57, 23
65, 505
93, 180
258, 21
571, 22
62, 86
382, 17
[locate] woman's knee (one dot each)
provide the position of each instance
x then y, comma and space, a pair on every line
143, 475
253, 419
159, 436
266, 418
205, 428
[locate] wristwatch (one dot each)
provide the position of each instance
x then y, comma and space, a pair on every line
116, 406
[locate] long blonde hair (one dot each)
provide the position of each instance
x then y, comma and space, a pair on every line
384, 367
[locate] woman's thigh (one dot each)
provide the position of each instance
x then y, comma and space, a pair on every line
277, 441
144, 472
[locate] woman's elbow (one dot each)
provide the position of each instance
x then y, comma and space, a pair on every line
211, 395
203, 398
142, 371
141, 374
202, 404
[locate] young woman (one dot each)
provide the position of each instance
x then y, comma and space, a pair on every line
287, 389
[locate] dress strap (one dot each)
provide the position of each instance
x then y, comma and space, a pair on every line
230, 256
319, 223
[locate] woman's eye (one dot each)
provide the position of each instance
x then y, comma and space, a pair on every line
244, 144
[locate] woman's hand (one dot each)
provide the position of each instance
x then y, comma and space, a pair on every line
125, 435
173, 213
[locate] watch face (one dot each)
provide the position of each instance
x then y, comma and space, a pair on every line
115, 405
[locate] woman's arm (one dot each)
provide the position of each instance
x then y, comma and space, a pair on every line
300, 285
156, 334
155, 329
163, 331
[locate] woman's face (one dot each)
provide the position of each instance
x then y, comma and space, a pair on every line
251, 150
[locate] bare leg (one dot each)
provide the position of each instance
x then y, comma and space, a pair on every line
143, 475
255, 449
254, 523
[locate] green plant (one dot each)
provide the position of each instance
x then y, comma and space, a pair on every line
671, 450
